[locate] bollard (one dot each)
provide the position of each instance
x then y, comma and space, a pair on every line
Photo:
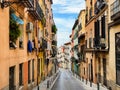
98, 86
109, 88
86, 81
90, 83
38, 87
48, 84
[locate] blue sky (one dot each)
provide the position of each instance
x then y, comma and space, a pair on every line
65, 12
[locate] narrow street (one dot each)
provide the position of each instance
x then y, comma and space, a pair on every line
67, 82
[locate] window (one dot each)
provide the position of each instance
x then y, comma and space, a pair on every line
86, 43
91, 2
12, 78
97, 33
21, 38
38, 67
33, 70
90, 13
21, 74
91, 70
103, 26
117, 41
29, 72
16, 25
84, 71
90, 42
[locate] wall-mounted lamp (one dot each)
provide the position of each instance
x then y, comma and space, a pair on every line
5, 3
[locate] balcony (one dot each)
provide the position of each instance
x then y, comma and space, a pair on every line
81, 37
79, 26
91, 2
28, 3
54, 51
75, 48
99, 5
90, 13
43, 44
115, 10
37, 12
100, 43
54, 29
81, 56
73, 59
54, 43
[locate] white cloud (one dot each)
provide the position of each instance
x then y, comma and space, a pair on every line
64, 29
62, 38
64, 24
68, 6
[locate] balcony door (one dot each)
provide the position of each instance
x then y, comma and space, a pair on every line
104, 72
11, 78
117, 42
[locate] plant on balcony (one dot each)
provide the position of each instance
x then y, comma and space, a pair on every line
43, 21
14, 30
54, 29
54, 42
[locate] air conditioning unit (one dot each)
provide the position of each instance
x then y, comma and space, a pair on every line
29, 27
103, 43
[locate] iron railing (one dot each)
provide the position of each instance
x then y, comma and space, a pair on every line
28, 3
115, 8
99, 5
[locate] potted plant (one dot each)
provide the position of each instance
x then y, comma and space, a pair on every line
54, 29
14, 31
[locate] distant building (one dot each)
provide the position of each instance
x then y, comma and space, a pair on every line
67, 52
61, 57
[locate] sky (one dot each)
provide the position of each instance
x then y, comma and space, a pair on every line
65, 12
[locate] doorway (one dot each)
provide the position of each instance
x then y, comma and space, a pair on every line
12, 78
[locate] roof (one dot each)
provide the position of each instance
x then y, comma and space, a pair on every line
75, 24
67, 43
81, 12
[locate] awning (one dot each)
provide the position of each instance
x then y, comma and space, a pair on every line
17, 19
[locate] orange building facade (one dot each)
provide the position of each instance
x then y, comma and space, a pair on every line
21, 66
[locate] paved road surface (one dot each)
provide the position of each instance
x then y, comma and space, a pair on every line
67, 82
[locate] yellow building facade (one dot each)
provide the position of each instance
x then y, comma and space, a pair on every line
114, 32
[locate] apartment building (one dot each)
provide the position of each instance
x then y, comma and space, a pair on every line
61, 57
89, 35
99, 61
101, 40
22, 52
74, 38
72, 52
81, 44
114, 39
67, 49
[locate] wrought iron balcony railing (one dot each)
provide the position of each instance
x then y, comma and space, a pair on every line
99, 5
35, 11
54, 42
115, 10
28, 3
39, 11
81, 56
99, 43
43, 44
